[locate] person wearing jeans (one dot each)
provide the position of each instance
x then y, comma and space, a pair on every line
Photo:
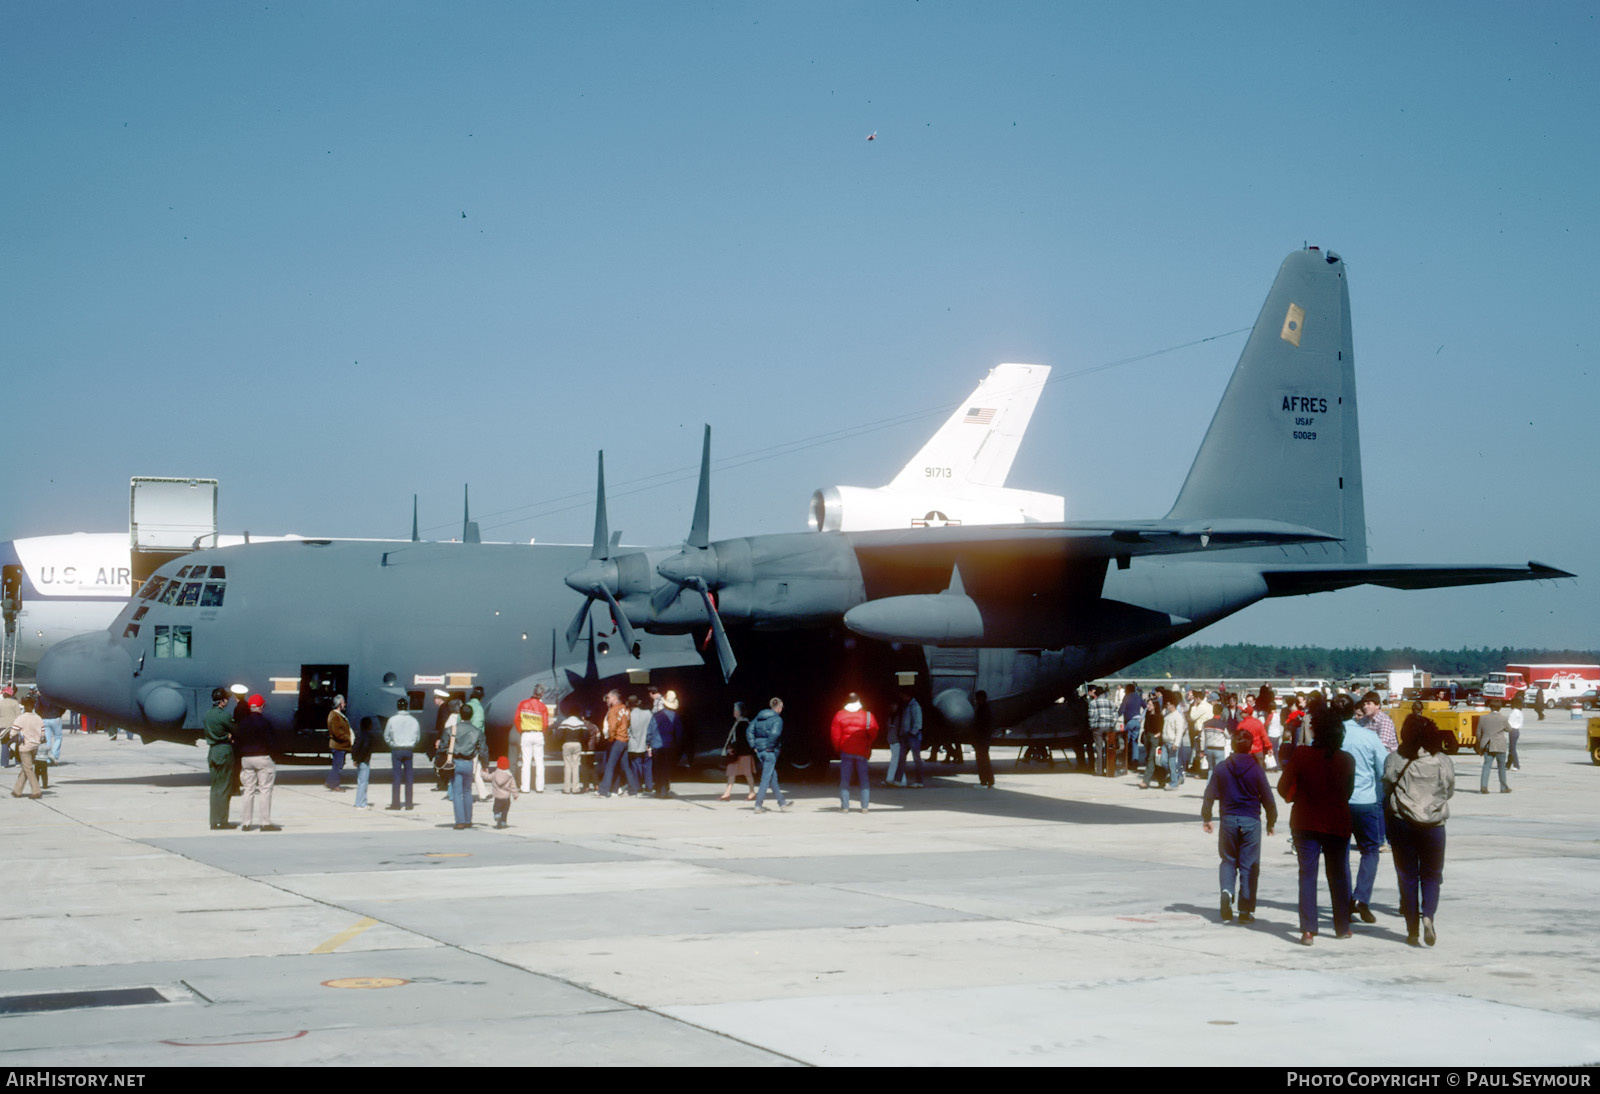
1243, 791
402, 733
469, 746
853, 732
1361, 742
1494, 741
766, 731
1318, 779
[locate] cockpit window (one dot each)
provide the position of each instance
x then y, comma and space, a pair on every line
212, 596
171, 595
151, 587
219, 572
131, 631
141, 613
191, 595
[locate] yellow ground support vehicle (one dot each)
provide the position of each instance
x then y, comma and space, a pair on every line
1460, 726
1594, 739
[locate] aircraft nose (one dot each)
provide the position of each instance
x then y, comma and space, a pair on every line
92, 674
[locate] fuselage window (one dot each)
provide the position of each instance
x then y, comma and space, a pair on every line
212, 597
172, 642
171, 595
219, 572
191, 595
151, 588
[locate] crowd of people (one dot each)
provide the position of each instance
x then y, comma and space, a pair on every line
1352, 781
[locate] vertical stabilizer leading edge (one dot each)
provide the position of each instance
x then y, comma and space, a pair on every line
979, 441
1284, 444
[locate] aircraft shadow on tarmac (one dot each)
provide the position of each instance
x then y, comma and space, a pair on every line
941, 795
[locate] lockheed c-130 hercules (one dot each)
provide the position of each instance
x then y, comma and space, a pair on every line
1272, 506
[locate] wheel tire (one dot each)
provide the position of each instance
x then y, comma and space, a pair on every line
1594, 751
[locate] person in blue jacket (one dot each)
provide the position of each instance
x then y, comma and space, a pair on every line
766, 732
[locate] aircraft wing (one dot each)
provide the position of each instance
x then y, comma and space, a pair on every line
1294, 580
1087, 539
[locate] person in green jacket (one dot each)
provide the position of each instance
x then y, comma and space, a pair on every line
219, 756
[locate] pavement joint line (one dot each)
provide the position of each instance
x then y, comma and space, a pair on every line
589, 989
363, 924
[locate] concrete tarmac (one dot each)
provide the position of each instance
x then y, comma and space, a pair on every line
1059, 919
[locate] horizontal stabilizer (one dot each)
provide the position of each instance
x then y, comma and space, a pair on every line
1298, 580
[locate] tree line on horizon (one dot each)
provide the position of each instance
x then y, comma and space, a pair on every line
1246, 660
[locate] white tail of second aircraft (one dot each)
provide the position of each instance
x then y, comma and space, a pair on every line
959, 475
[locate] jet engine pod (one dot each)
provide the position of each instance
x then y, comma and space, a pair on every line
163, 703
827, 510
927, 620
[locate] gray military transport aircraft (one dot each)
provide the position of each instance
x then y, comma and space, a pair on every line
1271, 507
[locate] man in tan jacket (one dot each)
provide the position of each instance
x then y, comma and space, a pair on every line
339, 740
28, 732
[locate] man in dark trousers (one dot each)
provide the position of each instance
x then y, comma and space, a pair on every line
664, 740
219, 756
1240, 783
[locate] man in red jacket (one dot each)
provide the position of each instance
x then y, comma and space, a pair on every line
854, 730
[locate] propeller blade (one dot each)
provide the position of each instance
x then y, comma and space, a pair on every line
665, 596
618, 617
724, 647
577, 622
469, 527
616, 538
700, 530
414, 537
601, 534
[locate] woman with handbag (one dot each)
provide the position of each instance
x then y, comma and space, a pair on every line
1418, 781
739, 754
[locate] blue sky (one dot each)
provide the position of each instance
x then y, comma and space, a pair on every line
234, 246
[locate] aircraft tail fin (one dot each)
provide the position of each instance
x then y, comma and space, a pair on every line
1284, 443
979, 441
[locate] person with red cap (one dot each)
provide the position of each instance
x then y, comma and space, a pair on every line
504, 786
252, 740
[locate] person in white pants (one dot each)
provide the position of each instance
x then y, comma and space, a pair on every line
531, 719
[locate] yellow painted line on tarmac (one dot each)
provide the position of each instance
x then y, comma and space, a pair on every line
345, 935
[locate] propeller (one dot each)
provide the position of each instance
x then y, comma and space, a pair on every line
695, 567
595, 580
591, 668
